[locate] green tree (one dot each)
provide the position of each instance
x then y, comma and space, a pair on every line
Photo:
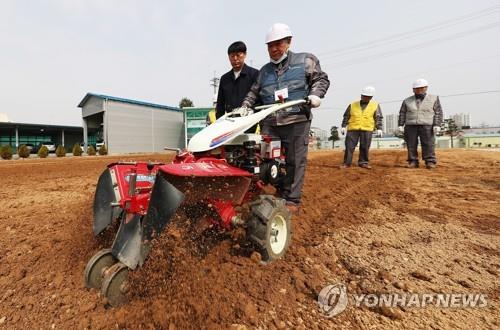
91, 151
6, 152
334, 134
60, 151
103, 150
77, 149
43, 152
185, 102
23, 151
451, 129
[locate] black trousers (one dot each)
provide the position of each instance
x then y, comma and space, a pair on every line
351, 140
426, 135
295, 141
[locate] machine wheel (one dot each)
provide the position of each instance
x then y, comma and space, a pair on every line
269, 227
93, 273
269, 172
115, 284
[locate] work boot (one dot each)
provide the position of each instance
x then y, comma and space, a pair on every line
412, 165
292, 207
344, 166
430, 166
368, 167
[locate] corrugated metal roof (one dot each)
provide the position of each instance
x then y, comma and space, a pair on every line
119, 99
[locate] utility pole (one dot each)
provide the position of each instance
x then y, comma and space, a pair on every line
215, 83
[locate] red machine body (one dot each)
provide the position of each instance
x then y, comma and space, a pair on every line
197, 177
225, 184
136, 199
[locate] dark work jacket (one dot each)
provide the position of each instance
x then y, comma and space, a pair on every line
233, 91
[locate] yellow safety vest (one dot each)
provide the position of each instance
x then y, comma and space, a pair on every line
362, 119
211, 116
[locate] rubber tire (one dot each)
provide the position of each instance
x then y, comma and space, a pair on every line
264, 210
265, 170
92, 275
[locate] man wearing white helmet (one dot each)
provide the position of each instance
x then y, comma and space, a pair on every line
420, 117
290, 76
361, 118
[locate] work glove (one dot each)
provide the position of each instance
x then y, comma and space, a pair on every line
314, 100
379, 133
342, 131
242, 111
436, 129
401, 129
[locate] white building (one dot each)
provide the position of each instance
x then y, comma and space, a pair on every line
483, 130
128, 126
391, 124
320, 134
461, 119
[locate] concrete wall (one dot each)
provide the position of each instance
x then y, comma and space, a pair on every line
480, 141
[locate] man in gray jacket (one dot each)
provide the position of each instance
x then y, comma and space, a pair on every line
420, 117
292, 76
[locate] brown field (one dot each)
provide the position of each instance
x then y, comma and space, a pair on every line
389, 229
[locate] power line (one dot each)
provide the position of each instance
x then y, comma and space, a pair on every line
441, 96
410, 34
350, 62
451, 95
428, 69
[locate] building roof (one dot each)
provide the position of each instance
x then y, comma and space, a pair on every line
479, 135
119, 99
46, 127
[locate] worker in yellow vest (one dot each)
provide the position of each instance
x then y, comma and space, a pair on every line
361, 118
212, 114
211, 118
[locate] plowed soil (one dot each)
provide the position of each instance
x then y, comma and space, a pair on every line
389, 229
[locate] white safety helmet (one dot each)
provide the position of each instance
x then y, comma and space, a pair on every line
368, 91
277, 32
420, 83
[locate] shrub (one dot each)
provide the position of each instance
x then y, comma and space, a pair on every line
23, 151
77, 150
102, 150
60, 151
6, 152
43, 152
91, 151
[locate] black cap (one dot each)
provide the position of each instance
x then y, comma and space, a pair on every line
237, 47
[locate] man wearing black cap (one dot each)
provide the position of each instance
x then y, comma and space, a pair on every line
235, 84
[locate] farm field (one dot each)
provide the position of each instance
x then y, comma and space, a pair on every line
389, 229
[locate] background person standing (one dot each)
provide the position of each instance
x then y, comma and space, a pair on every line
420, 117
235, 84
361, 118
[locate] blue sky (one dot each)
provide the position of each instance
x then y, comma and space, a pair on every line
55, 51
